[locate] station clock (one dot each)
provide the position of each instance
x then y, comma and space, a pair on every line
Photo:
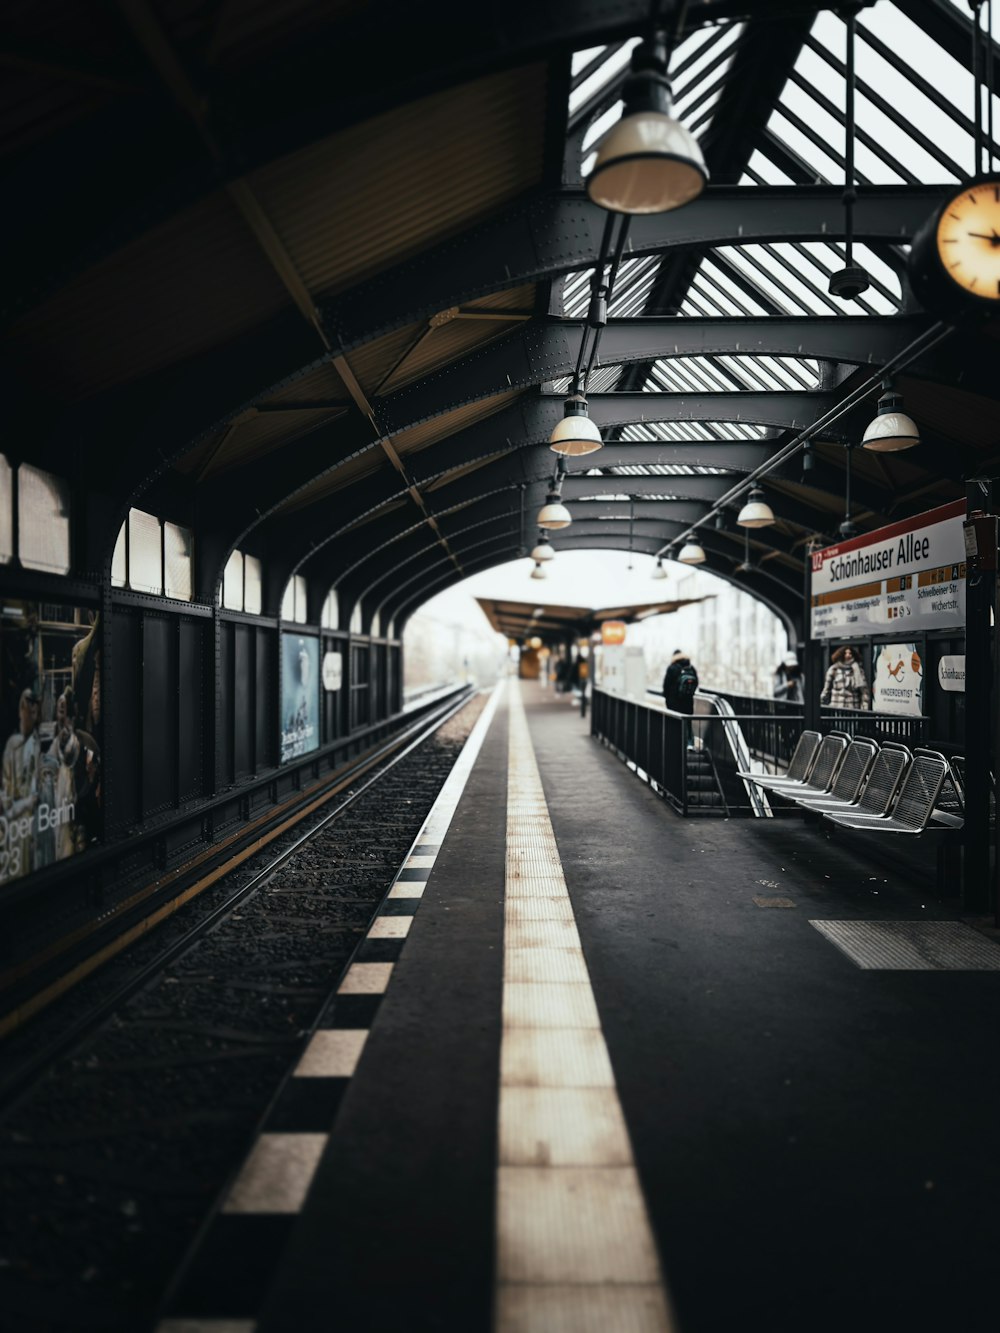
955, 257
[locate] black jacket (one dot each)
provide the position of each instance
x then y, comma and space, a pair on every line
679, 703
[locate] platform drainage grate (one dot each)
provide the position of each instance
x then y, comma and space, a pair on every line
929, 946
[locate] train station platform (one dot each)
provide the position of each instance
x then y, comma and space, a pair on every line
601, 1068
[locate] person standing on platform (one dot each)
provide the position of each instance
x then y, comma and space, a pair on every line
846, 685
679, 685
788, 680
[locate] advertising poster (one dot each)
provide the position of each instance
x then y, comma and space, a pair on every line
907, 576
50, 712
299, 695
899, 679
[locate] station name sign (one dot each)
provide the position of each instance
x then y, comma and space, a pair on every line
909, 576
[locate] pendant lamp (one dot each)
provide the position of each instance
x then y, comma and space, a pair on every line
891, 430
649, 162
659, 572
746, 567
575, 434
692, 554
554, 514
538, 572
543, 551
756, 513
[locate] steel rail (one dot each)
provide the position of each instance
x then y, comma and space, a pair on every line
16, 1083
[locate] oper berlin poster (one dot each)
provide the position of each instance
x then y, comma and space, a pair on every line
907, 577
50, 714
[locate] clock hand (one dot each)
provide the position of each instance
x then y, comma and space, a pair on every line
994, 238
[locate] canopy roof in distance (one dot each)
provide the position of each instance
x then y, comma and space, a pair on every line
518, 619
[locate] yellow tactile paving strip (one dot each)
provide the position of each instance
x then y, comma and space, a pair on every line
575, 1251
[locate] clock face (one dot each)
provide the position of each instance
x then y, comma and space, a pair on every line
968, 239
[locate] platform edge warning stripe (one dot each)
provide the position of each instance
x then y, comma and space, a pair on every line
312, 1090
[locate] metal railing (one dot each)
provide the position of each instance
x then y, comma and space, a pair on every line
653, 741
911, 731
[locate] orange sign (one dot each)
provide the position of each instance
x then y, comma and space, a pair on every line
613, 631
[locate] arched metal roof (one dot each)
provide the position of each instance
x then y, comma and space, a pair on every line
311, 279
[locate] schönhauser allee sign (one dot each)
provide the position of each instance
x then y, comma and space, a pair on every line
907, 577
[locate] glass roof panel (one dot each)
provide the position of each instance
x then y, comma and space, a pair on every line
680, 431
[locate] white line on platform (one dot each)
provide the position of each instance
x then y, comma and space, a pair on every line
332, 1053
575, 1250
277, 1174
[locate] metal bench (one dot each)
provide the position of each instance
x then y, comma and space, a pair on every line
914, 804
846, 791
799, 765
821, 775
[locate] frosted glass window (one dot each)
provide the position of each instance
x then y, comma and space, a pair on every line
232, 582
252, 585
391, 631
356, 619
376, 628
6, 511
145, 555
43, 520
178, 546
331, 611
288, 602
119, 561
299, 585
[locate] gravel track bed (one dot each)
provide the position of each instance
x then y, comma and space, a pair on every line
110, 1164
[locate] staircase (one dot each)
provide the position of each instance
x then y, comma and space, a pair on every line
704, 792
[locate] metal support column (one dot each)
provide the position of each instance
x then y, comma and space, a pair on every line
813, 660
980, 608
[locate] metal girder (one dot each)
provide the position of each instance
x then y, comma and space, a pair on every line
391, 551
527, 422
296, 540
578, 488
554, 234
172, 410
517, 427
547, 350
786, 409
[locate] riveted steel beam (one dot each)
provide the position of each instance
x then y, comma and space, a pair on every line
547, 350
550, 235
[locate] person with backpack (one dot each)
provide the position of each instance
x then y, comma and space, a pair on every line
679, 685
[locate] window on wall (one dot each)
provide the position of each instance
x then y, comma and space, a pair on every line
6, 512
39, 501
293, 604
242, 582
356, 619
376, 628
154, 556
330, 618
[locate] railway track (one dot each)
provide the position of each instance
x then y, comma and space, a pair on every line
119, 1122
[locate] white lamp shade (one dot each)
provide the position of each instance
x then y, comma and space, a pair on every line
692, 554
538, 572
543, 551
647, 163
891, 431
659, 572
554, 515
575, 434
756, 513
